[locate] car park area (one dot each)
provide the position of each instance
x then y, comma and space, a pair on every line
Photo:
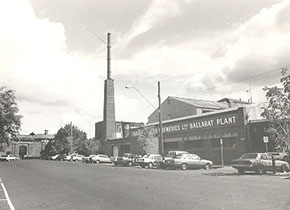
75, 185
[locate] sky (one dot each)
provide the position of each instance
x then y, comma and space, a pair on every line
53, 54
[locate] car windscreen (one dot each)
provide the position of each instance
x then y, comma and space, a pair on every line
178, 156
249, 156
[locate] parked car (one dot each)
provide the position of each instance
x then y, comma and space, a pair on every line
185, 161
149, 160
279, 155
173, 154
127, 159
8, 158
170, 155
259, 163
87, 159
100, 159
54, 157
77, 157
68, 158
61, 157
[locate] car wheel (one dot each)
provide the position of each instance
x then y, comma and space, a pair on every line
130, 164
241, 171
184, 166
260, 170
150, 165
98, 161
207, 166
284, 168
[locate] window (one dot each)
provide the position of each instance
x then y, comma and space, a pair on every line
170, 145
227, 143
264, 157
195, 144
230, 143
215, 143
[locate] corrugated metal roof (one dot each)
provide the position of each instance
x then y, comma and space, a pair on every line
202, 103
234, 100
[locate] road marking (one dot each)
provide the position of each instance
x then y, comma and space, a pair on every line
7, 196
3, 199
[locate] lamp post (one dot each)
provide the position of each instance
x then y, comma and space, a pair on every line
159, 112
132, 87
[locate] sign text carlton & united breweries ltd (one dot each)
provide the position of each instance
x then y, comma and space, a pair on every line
197, 124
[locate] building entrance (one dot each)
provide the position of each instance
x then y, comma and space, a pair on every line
22, 151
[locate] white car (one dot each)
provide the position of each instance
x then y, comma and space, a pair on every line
149, 160
101, 159
54, 157
68, 157
78, 157
8, 158
88, 159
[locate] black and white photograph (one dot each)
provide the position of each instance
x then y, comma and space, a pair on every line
145, 105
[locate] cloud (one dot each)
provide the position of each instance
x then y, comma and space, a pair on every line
261, 44
219, 60
158, 11
52, 84
55, 86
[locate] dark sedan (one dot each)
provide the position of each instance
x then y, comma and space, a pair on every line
259, 163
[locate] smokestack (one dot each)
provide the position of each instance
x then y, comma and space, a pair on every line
45, 132
109, 56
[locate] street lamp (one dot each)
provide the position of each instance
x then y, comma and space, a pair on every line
132, 87
159, 113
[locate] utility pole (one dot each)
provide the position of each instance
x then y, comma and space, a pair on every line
222, 152
160, 121
71, 139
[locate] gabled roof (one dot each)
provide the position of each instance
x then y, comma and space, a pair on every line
233, 101
197, 116
202, 103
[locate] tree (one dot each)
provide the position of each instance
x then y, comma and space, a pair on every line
61, 141
78, 138
48, 151
10, 121
64, 143
278, 110
148, 139
93, 146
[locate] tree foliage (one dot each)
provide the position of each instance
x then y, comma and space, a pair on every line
278, 110
10, 121
68, 139
148, 139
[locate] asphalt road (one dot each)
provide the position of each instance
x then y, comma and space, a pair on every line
58, 185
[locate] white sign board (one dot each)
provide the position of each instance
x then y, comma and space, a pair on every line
266, 139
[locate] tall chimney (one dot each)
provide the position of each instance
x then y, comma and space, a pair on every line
109, 56
109, 99
45, 132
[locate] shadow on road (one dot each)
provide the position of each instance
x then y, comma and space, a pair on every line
234, 174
